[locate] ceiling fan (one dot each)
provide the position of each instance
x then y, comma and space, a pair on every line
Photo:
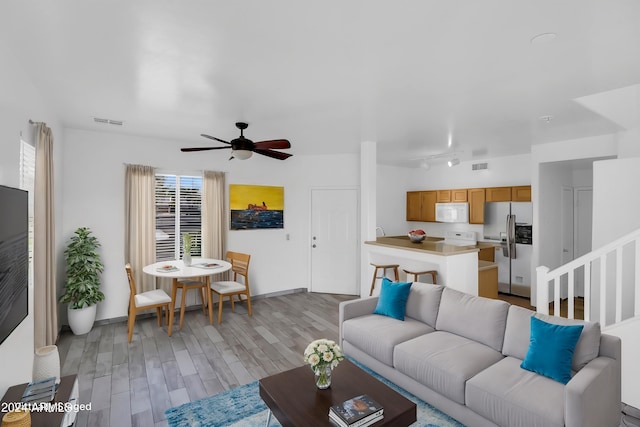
243, 148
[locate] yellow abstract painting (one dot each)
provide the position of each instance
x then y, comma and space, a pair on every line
256, 206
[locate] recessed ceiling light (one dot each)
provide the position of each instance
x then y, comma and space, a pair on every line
546, 119
543, 38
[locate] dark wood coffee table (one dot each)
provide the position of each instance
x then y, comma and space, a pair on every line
294, 399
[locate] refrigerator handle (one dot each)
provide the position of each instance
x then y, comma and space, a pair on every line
512, 236
506, 240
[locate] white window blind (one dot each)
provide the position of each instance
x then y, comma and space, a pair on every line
27, 182
178, 210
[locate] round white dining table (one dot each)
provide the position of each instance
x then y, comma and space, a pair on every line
200, 267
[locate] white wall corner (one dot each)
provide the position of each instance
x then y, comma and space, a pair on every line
368, 186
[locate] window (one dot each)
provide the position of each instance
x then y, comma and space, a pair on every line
27, 182
178, 210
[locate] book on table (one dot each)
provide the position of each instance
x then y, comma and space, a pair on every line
207, 265
40, 391
364, 422
358, 411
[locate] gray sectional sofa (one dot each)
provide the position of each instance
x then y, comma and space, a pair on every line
462, 354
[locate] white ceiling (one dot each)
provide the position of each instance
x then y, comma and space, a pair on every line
329, 74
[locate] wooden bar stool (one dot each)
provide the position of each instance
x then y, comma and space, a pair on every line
415, 274
384, 269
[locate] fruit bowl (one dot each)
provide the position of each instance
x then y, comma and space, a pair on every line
417, 236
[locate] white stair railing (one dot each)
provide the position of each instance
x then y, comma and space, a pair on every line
615, 264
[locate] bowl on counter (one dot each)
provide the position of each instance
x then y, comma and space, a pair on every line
417, 238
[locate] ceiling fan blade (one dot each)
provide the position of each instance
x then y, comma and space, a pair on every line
274, 154
214, 138
186, 150
275, 143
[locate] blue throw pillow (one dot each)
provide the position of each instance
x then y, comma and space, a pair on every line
393, 299
551, 349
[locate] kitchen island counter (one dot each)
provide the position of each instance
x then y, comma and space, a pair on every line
433, 245
457, 266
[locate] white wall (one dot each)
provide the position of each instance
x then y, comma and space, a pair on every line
616, 203
553, 176
19, 102
545, 210
391, 198
394, 182
94, 197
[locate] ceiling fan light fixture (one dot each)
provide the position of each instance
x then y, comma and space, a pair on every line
242, 154
453, 162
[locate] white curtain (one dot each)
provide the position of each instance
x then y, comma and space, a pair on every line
45, 300
140, 223
213, 215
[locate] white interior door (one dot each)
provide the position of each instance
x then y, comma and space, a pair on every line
583, 204
334, 241
566, 234
566, 225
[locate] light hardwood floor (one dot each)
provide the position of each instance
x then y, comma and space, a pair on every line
526, 303
133, 384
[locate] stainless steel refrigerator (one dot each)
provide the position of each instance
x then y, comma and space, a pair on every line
510, 224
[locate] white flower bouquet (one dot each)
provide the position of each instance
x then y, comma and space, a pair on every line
323, 352
322, 356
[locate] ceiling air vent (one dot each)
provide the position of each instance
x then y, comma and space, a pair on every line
108, 121
479, 166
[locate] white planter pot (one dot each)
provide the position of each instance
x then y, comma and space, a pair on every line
81, 319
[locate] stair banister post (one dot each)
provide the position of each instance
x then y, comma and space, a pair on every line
542, 291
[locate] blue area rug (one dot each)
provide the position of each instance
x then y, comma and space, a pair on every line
243, 407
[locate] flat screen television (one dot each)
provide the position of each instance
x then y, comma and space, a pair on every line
14, 259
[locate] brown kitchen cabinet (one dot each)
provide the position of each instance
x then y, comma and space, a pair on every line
414, 206
476, 197
428, 205
487, 279
498, 194
459, 196
521, 193
452, 196
487, 254
443, 196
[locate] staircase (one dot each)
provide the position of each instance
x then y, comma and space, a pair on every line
609, 280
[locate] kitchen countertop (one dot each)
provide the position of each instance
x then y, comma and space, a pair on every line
432, 245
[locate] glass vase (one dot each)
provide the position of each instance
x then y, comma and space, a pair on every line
323, 376
186, 259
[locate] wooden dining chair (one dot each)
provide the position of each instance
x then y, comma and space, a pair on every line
200, 283
156, 298
230, 288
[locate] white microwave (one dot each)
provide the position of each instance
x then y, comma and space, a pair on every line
452, 212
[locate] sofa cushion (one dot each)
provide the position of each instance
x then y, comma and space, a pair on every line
551, 349
393, 299
377, 335
424, 301
476, 318
443, 362
517, 333
511, 396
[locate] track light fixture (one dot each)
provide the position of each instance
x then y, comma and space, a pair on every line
453, 162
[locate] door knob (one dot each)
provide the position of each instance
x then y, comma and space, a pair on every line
313, 246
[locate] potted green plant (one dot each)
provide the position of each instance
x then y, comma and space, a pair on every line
82, 285
187, 241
